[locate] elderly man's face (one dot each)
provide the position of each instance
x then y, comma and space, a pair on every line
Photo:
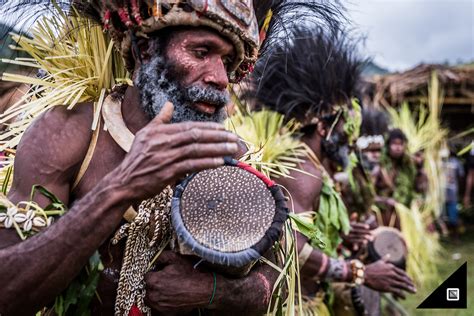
191, 72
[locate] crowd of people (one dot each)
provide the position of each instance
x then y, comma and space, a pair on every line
182, 57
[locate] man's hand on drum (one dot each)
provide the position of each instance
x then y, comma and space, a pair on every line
383, 276
162, 153
177, 285
359, 235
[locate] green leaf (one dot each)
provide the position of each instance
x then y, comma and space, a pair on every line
334, 212
343, 217
6, 179
76, 299
309, 230
323, 211
56, 203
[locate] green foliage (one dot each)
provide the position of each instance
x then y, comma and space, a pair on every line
404, 183
323, 228
55, 204
424, 132
75, 300
423, 246
5, 178
353, 121
331, 219
308, 229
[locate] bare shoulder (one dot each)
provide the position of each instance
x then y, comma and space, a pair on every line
51, 151
304, 188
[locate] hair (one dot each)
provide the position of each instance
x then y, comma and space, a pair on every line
308, 74
396, 133
374, 122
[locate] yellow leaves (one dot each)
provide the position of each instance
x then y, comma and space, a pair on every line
274, 147
80, 64
423, 246
425, 132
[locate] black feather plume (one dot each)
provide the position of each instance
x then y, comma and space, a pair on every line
374, 122
288, 15
308, 73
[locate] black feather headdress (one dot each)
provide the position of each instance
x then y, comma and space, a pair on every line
374, 122
287, 15
307, 74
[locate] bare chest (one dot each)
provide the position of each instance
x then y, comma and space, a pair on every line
106, 157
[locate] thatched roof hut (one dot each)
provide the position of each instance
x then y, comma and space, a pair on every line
412, 86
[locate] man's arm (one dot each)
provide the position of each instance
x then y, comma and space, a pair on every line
179, 286
38, 269
41, 267
251, 294
381, 276
304, 191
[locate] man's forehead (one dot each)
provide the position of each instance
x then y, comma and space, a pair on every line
199, 34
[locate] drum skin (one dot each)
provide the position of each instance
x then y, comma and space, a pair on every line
229, 216
388, 241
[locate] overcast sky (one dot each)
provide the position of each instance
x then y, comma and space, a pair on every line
403, 33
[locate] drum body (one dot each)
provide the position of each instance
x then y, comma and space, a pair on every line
388, 241
228, 216
352, 300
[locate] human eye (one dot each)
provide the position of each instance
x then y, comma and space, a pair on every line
201, 52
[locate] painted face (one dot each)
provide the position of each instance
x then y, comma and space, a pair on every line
371, 158
191, 73
336, 147
200, 57
397, 148
373, 154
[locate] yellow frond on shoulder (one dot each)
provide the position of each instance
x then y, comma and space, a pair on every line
78, 63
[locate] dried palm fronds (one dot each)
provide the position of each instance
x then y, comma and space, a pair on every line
423, 246
78, 63
273, 145
395, 88
274, 149
425, 133
286, 291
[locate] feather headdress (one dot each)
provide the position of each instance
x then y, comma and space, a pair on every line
374, 122
307, 75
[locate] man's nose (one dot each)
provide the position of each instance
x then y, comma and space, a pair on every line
217, 74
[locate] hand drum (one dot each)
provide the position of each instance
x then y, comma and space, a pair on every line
229, 216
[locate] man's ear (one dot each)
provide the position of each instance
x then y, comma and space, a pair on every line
140, 50
321, 129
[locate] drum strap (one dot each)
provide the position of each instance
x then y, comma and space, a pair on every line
115, 124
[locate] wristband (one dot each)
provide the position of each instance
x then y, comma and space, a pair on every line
324, 265
336, 270
358, 272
